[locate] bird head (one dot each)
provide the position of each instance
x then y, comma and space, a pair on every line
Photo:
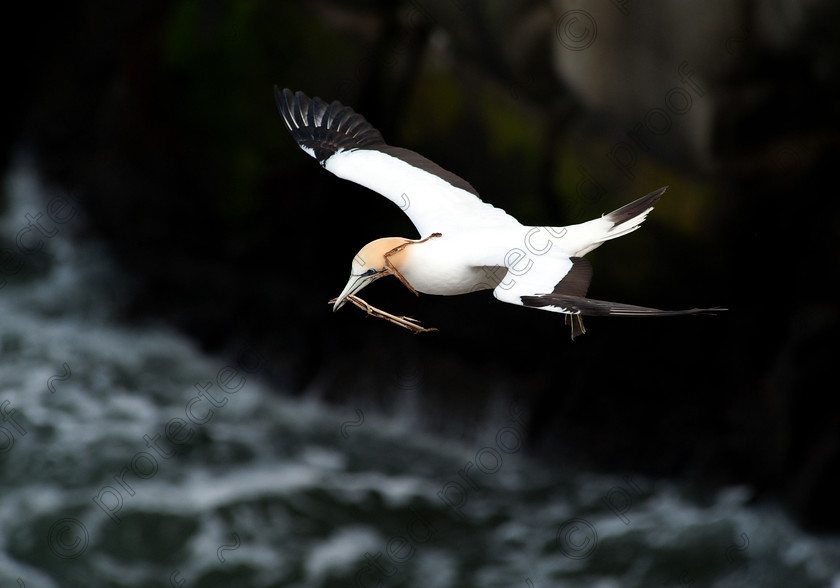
370, 264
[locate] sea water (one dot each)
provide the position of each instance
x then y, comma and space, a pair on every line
130, 458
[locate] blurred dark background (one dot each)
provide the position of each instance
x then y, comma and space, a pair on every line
159, 118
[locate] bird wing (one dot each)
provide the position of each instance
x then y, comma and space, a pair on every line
557, 283
344, 143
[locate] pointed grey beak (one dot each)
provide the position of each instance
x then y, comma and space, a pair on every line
355, 284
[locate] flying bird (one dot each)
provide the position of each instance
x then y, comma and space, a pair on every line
465, 245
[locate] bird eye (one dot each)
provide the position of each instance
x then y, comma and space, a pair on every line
370, 272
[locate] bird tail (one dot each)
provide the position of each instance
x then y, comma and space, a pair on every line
578, 240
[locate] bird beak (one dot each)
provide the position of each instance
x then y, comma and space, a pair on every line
355, 284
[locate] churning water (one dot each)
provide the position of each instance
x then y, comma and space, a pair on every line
129, 458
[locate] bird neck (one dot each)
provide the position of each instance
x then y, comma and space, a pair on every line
399, 256
396, 258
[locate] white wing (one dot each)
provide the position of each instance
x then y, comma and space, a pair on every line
347, 145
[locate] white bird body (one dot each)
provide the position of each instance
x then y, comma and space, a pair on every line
453, 265
465, 244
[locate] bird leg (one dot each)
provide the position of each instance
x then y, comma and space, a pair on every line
577, 329
393, 269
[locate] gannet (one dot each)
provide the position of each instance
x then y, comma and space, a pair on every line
464, 245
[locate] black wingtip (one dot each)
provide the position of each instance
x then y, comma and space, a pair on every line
325, 128
636, 207
284, 99
591, 307
280, 97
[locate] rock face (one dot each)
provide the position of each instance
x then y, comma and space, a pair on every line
159, 118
